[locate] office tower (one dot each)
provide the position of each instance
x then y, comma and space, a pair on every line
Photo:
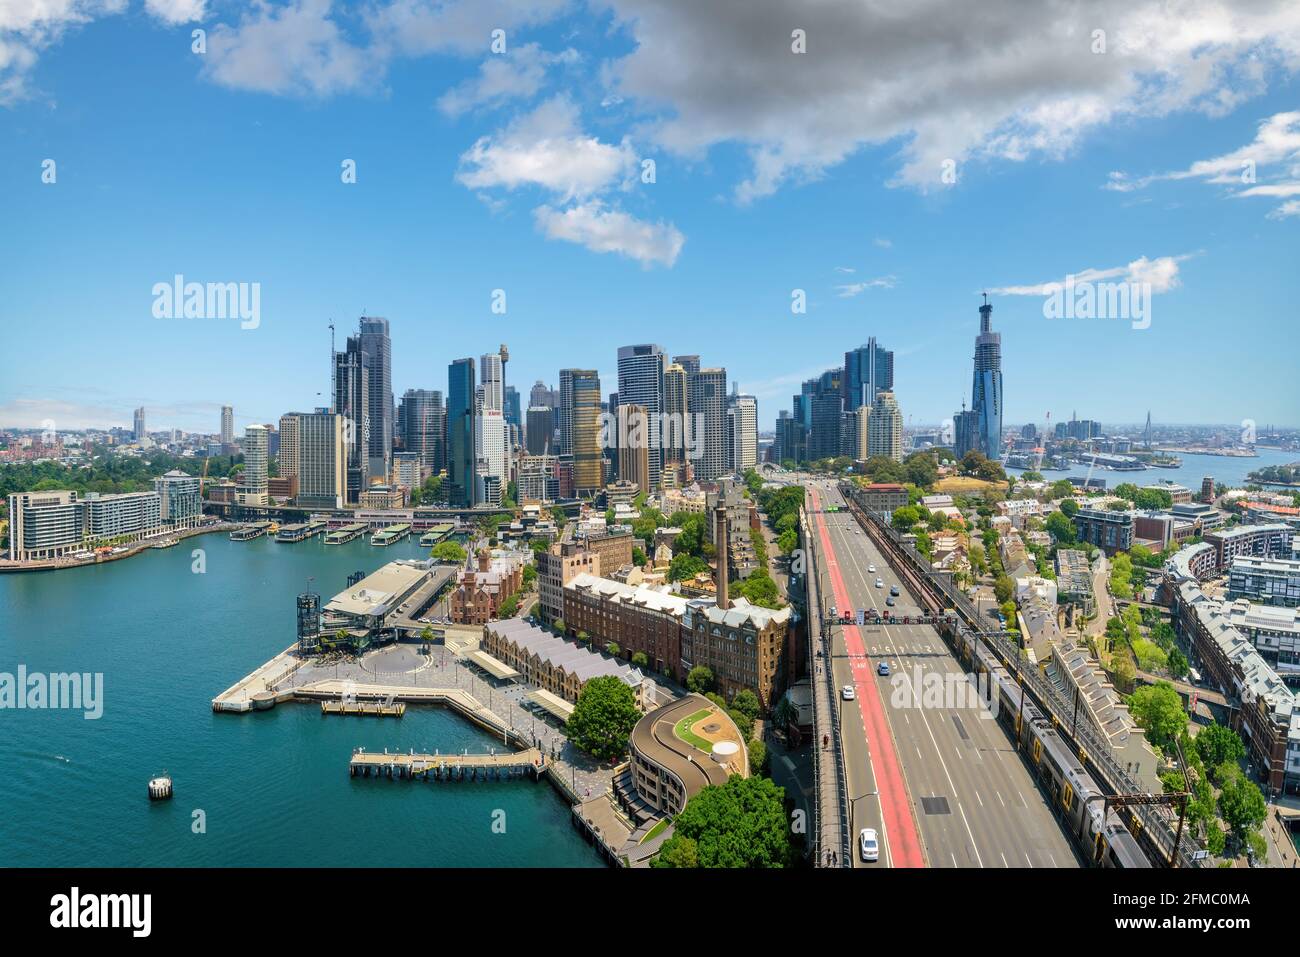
564, 420
490, 448
352, 401
633, 445
641, 383
676, 409
742, 413
885, 428
322, 459
290, 445
424, 427
584, 428
862, 443
964, 432
492, 381
227, 425
867, 370
690, 363
138, 431
511, 408
986, 387
379, 351
460, 433
541, 395
708, 404
789, 437
256, 458
540, 430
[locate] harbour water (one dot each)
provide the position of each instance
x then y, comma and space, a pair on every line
272, 787
1226, 469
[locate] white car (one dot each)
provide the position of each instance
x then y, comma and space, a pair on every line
847, 692
880, 583
868, 845
872, 569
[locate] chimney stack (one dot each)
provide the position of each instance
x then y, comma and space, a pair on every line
721, 544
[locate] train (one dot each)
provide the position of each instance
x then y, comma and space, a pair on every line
1072, 791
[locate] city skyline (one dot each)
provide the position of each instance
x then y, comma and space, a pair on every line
588, 257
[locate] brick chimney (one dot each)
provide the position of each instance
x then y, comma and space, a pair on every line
720, 542
484, 557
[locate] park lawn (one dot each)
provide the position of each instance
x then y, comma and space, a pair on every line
962, 483
683, 730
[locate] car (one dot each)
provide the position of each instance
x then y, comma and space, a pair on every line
882, 669
868, 845
833, 615
871, 569
893, 590
890, 601
847, 692
880, 583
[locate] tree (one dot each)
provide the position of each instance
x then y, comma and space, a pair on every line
1069, 508
613, 648
1241, 804
638, 557
603, 718
678, 851
1060, 528
746, 702
787, 541
741, 823
639, 660
447, 553
700, 679
757, 756
1218, 744
1003, 589
1061, 489
905, 517
684, 566
530, 576
760, 589
1159, 711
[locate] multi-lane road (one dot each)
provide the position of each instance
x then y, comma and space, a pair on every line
941, 783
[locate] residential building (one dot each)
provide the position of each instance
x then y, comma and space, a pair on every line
253, 490
556, 567
583, 425
138, 432
1274, 631
1109, 530
881, 497
378, 349
635, 618
740, 550
1269, 581
885, 428
227, 425
179, 502
1074, 580
742, 415
322, 460
290, 444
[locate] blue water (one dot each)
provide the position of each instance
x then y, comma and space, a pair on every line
273, 787
1230, 471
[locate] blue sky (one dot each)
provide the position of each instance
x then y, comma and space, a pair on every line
775, 171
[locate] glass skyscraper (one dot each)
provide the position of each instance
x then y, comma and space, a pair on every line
460, 433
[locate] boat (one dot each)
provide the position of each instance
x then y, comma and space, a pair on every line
160, 787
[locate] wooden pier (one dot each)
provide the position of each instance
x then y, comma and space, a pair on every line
447, 767
374, 709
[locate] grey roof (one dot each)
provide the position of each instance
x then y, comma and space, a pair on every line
582, 663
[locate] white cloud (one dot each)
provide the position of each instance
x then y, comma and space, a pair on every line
176, 11
545, 148
856, 288
295, 49
942, 81
1289, 208
1276, 144
883, 243
1161, 273
515, 75
606, 230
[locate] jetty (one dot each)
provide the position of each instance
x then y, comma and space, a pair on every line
341, 536
391, 534
300, 531
447, 767
436, 534
248, 532
375, 709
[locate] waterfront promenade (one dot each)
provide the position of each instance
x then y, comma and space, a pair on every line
128, 551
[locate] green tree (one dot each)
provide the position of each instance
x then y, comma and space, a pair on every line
760, 589
639, 660
746, 702
1159, 711
638, 557
700, 679
1060, 528
685, 566
530, 576
603, 718
741, 823
677, 852
1241, 805
757, 757
905, 517
1218, 744
1003, 589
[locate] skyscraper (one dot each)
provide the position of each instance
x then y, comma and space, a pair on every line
541, 430
227, 425
708, 404
289, 456
352, 394
541, 395
379, 351
460, 433
584, 429
492, 381
742, 413
986, 388
676, 408
490, 456
254, 487
641, 383
867, 370
322, 459
138, 432
564, 419
633, 445
424, 427
885, 428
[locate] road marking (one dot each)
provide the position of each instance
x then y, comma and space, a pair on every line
1004, 861
1031, 863
978, 798
1000, 801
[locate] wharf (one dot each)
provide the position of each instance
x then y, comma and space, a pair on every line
376, 709
341, 536
446, 767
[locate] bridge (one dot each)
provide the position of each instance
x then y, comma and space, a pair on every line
973, 640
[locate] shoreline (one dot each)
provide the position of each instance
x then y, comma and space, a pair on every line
54, 565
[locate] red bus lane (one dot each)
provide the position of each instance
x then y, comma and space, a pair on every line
904, 843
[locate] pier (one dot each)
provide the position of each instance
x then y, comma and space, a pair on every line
391, 534
436, 534
447, 767
341, 536
249, 532
299, 532
375, 709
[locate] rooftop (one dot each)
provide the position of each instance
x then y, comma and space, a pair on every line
577, 660
378, 592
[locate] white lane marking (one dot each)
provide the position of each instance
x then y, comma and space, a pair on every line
978, 798
1004, 861
1000, 801
1031, 863
958, 750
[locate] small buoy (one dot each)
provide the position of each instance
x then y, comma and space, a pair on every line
160, 788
